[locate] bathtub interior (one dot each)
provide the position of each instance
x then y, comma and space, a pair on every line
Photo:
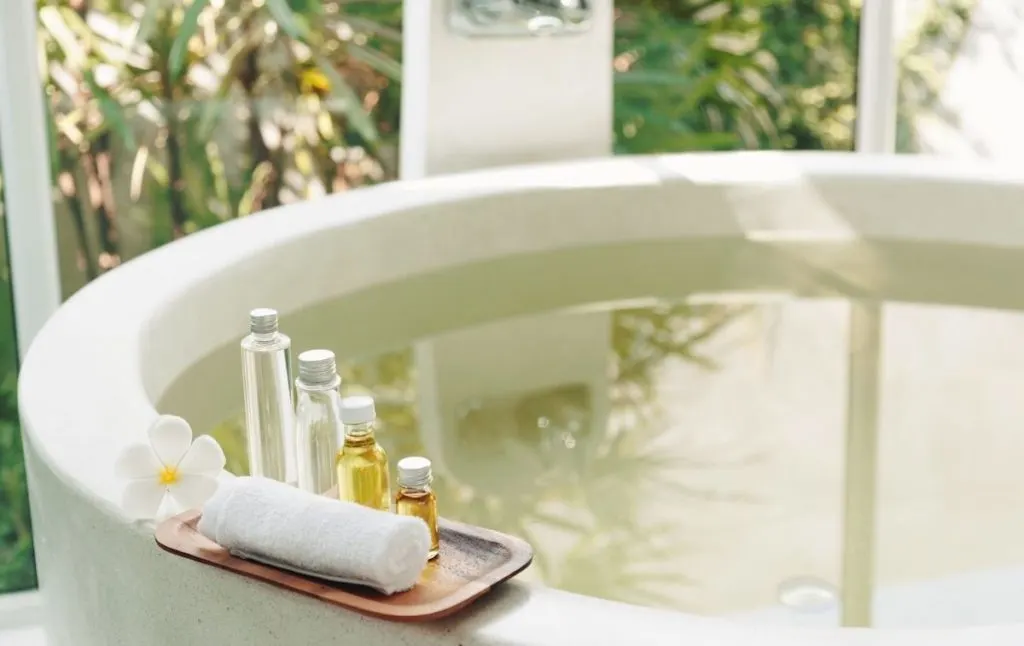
666, 421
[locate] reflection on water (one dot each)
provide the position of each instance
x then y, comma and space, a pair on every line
690, 456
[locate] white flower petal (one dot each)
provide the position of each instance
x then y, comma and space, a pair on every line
191, 490
170, 437
204, 457
137, 461
167, 509
142, 498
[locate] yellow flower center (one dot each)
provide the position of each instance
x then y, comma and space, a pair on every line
168, 475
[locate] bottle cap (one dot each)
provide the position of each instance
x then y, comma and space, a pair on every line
263, 320
414, 471
357, 409
317, 368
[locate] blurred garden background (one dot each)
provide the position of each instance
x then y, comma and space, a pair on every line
169, 116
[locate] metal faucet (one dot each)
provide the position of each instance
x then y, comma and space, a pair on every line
520, 17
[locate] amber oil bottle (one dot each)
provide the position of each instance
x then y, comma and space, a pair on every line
416, 498
361, 463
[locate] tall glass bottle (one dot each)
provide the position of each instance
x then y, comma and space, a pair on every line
362, 464
267, 397
317, 420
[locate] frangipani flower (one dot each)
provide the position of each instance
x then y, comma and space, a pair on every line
171, 463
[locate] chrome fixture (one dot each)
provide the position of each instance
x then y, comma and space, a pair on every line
520, 17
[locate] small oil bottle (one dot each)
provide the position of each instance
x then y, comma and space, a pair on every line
362, 464
416, 498
317, 420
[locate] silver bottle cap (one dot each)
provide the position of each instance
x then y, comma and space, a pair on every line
263, 320
317, 368
358, 409
414, 471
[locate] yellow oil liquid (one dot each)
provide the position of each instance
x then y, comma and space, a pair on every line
421, 503
363, 478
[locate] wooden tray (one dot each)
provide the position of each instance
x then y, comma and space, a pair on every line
472, 560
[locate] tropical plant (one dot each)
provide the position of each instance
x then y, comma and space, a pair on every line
17, 565
728, 74
212, 110
692, 76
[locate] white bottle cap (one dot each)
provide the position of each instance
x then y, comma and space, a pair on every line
317, 368
414, 471
263, 320
357, 409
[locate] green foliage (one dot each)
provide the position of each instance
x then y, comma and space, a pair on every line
213, 110
692, 76
17, 565
755, 74
815, 44
731, 74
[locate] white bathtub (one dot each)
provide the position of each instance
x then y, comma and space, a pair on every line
91, 379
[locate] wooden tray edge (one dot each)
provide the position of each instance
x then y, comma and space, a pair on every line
166, 531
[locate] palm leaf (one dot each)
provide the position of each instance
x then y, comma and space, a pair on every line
112, 111
186, 30
290, 22
147, 22
344, 99
378, 60
57, 27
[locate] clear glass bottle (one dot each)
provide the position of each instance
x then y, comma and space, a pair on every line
362, 464
416, 498
317, 420
267, 398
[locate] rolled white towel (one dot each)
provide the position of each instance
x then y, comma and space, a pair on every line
268, 521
